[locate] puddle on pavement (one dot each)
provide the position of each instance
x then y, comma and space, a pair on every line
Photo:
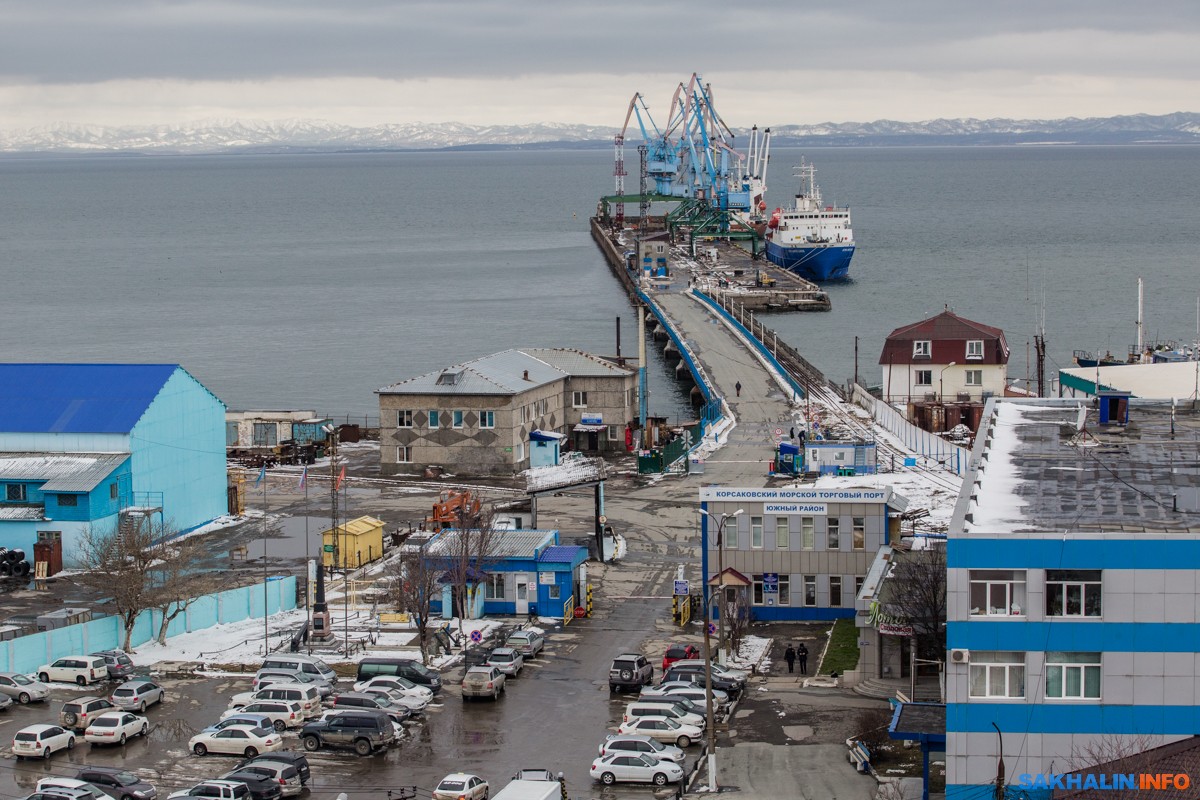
285, 539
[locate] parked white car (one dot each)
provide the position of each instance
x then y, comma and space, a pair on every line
461, 786
41, 741
635, 768
411, 702
667, 731
644, 745
75, 669
115, 727
395, 683
283, 714
236, 740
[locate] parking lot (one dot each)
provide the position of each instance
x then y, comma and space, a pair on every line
553, 716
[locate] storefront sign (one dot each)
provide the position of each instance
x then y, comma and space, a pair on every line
546, 578
734, 495
888, 624
592, 419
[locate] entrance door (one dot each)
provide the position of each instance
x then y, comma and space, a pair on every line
522, 584
593, 440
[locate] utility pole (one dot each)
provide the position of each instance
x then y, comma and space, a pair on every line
999, 793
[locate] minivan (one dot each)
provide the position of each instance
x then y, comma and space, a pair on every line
74, 669
304, 694
309, 664
662, 708
415, 671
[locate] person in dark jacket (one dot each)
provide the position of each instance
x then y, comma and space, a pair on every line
789, 656
803, 654
738, 387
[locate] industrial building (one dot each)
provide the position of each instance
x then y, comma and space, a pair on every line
1073, 560
92, 446
480, 417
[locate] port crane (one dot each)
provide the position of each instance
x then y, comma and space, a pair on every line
692, 163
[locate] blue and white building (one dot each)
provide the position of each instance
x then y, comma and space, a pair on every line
86, 445
1072, 607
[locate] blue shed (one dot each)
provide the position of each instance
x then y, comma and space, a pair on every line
524, 572
544, 448
81, 445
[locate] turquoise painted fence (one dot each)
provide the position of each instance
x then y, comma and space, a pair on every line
27, 653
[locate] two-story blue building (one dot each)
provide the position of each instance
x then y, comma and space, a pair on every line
83, 446
523, 572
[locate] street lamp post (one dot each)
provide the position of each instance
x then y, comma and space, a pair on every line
941, 393
721, 521
710, 724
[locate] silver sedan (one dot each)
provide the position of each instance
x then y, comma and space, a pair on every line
22, 688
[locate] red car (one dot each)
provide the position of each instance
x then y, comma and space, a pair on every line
678, 652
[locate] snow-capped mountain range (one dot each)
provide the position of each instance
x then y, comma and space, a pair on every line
244, 136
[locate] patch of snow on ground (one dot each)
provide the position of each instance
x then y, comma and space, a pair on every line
920, 492
752, 652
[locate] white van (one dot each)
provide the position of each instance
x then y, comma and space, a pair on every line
307, 664
662, 708
304, 694
75, 669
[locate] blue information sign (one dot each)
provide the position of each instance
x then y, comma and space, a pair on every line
682, 588
771, 582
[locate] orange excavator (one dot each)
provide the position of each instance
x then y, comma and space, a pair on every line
451, 509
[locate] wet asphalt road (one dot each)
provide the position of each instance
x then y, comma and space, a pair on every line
553, 716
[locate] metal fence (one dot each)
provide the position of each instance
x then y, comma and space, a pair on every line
946, 454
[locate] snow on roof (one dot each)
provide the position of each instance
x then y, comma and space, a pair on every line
506, 373
569, 473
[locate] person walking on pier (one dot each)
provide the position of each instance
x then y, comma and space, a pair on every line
789, 656
738, 388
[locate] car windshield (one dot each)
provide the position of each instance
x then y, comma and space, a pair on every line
656, 745
125, 778
672, 724
420, 669
646, 761
382, 701
21, 680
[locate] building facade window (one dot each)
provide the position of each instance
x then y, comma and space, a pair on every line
1073, 676
782, 540
231, 434
785, 590
487, 419
974, 377
835, 591
69, 500
404, 418
922, 348
923, 377
756, 532
113, 492
858, 530
520, 452
858, 584
1073, 593
493, 587
15, 492
613, 436
456, 419
434, 419
833, 533
756, 583
997, 674
808, 532
975, 348
997, 592
266, 434
579, 399
403, 454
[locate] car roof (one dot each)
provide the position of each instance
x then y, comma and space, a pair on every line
458, 776
504, 650
37, 728
641, 737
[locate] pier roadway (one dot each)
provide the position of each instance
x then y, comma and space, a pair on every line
763, 407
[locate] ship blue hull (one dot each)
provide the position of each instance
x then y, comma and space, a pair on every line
814, 263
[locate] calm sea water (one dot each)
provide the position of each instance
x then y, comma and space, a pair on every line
311, 281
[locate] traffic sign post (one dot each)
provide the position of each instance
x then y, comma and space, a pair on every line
477, 636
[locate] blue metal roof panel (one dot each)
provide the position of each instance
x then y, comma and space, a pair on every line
563, 554
77, 398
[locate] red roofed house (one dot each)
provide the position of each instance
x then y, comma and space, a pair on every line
943, 369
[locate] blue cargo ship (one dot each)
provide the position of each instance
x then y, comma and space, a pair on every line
810, 239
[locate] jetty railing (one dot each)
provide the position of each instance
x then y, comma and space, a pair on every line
755, 342
946, 454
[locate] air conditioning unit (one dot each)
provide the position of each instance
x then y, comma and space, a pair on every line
960, 656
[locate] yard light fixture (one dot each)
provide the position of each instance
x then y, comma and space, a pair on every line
941, 394
710, 724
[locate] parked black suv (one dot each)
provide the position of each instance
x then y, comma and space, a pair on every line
630, 671
366, 731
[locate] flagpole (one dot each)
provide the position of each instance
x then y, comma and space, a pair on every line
266, 608
307, 565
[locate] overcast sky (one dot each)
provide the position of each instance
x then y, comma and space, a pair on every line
367, 62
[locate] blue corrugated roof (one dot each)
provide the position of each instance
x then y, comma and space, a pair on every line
563, 554
77, 398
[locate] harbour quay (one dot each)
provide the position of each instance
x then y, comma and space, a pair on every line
640, 253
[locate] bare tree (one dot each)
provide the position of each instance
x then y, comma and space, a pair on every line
1111, 754
916, 591
737, 614
140, 567
120, 564
411, 584
468, 552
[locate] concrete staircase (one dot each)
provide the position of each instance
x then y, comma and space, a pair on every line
886, 688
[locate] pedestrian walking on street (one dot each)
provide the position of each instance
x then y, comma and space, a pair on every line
789, 656
738, 387
803, 653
